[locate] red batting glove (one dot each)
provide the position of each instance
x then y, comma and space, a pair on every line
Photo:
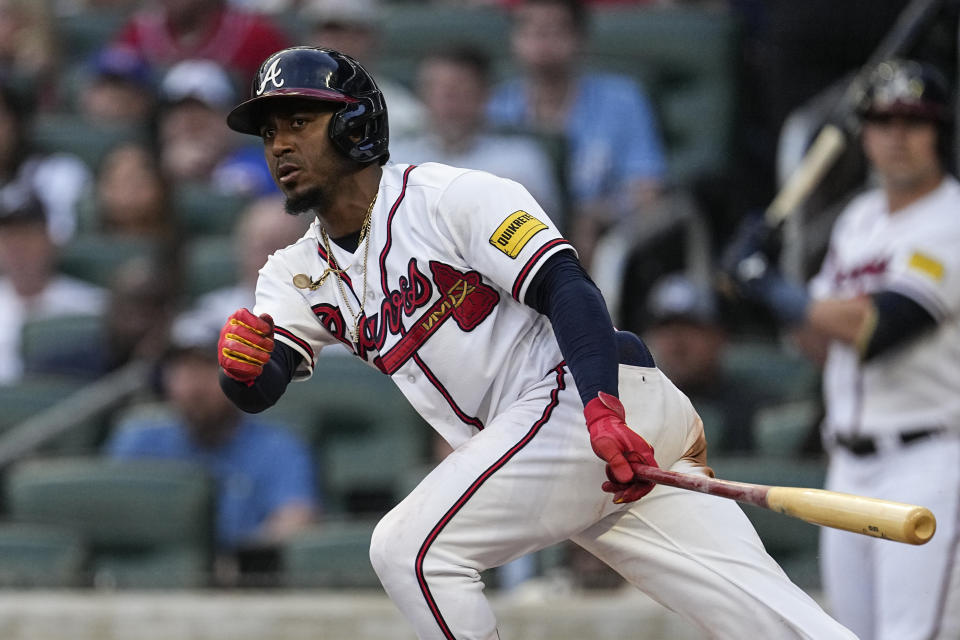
619, 445
245, 344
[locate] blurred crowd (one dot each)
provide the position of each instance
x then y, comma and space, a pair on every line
124, 197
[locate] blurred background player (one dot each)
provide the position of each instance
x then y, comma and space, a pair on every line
886, 304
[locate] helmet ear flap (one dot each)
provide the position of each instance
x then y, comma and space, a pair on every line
359, 129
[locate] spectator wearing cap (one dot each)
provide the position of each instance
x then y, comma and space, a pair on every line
195, 144
170, 31
58, 180
119, 88
687, 340
266, 489
353, 27
30, 285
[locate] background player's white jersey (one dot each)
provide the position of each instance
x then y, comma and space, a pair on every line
915, 252
434, 229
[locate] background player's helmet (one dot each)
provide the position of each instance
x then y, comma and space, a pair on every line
358, 129
915, 90
906, 88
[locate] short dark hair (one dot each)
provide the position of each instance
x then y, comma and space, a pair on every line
466, 55
576, 9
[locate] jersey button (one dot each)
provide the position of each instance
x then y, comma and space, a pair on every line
411, 378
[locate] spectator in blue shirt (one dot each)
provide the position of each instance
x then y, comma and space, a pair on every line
615, 165
264, 474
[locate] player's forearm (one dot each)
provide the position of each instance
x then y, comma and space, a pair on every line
845, 320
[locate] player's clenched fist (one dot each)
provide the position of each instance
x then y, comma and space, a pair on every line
246, 342
619, 445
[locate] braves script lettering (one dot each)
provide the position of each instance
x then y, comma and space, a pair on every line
413, 292
463, 297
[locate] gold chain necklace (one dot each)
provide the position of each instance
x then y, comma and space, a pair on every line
336, 270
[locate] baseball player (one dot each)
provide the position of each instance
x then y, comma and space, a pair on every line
457, 285
887, 300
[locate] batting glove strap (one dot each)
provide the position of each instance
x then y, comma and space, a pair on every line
614, 442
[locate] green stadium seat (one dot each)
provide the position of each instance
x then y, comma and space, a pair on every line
95, 257
211, 263
33, 394
774, 371
40, 556
46, 343
349, 411
84, 32
203, 210
686, 57
783, 429
333, 554
410, 31
792, 542
149, 523
71, 133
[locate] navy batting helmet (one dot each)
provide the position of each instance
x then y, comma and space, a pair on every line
906, 88
358, 128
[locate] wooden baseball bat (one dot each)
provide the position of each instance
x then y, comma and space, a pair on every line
832, 139
885, 519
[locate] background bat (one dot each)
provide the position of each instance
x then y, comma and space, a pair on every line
885, 519
833, 138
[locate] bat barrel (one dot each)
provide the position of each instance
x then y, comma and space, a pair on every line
896, 521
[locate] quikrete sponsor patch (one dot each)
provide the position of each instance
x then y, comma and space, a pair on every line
514, 232
927, 265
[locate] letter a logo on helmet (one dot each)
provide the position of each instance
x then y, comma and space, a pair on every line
358, 128
272, 75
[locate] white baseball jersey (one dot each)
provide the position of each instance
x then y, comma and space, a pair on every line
427, 301
915, 252
451, 256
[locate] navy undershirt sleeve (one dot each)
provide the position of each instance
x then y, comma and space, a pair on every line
899, 319
266, 389
562, 291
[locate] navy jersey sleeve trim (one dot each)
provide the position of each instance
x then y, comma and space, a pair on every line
562, 291
266, 389
898, 320
532, 262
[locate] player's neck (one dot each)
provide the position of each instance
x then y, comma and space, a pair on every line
345, 215
901, 196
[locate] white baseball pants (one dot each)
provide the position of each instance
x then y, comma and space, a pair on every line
530, 480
